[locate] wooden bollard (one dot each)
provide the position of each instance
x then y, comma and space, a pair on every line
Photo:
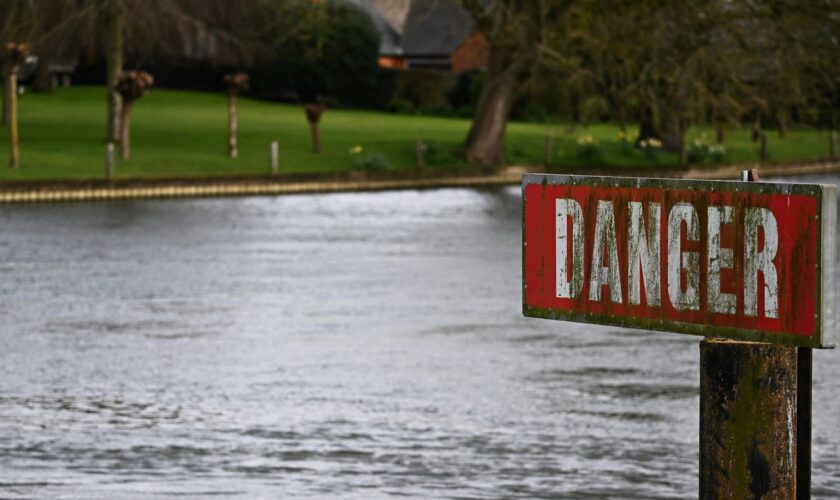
109, 160
548, 150
274, 154
763, 152
748, 420
419, 153
755, 416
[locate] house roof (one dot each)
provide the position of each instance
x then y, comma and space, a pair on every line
390, 38
393, 11
435, 27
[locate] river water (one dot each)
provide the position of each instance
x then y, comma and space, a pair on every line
363, 345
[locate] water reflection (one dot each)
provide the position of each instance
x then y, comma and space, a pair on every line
342, 346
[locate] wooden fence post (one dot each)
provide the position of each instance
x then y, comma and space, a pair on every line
748, 399
109, 160
274, 154
419, 153
548, 150
763, 153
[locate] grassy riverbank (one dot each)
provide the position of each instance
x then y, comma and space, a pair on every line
182, 134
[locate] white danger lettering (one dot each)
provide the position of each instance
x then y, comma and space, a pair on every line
569, 208
679, 261
755, 262
643, 253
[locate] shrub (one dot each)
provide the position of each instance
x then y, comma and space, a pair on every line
400, 106
700, 150
373, 162
594, 109
589, 150
717, 152
651, 147
436, 154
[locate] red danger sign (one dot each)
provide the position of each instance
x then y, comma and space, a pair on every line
722, 259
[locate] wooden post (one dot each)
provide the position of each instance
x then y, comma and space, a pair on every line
419, 153
763, 154
274, 155
755, 417
548, 150
109, 160
748, 400
804, 375
832, 144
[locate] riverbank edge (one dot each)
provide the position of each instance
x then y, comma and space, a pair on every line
122, 189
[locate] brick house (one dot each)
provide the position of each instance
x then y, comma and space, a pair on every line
430, 35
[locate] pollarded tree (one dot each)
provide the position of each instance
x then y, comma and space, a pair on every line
131, 86
235, 84
14, 55
313, 112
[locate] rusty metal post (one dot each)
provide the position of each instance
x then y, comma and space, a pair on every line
748, 420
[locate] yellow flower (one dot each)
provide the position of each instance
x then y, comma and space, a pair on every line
357, 149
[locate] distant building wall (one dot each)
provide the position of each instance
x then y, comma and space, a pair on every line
472, 54
393, 62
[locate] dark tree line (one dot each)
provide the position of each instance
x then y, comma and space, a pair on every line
662, 64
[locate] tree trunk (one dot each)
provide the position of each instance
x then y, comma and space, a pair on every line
485, 141
757, 128
115, 25
11, 95
673, 134
783, 124
316, 137
233, 126
44, 81
669, 129
622, 122
647, 125
125, 130
720, 131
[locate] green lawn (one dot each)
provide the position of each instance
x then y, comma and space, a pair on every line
185, 134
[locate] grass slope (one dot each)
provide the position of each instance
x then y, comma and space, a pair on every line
185, 134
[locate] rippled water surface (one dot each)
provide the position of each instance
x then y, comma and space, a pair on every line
332, 346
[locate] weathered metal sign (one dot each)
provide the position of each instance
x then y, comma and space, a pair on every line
737, 260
